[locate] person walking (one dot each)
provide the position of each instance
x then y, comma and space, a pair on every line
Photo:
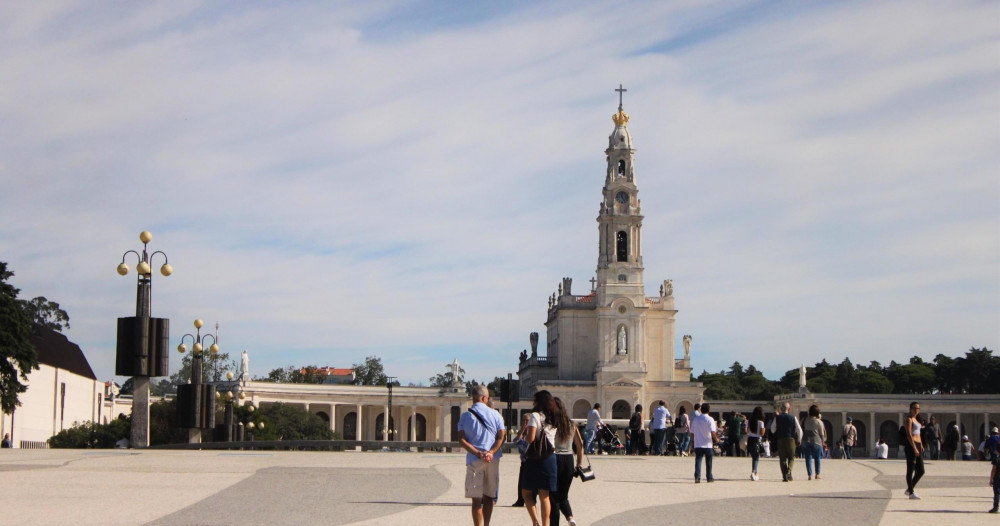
636, 436
594, 424
952, 441
933, 440
813, 440
481, 433
966, 448
849, 437
787, 435
567, 439
913, 448
683, 427
540, 473
755, 430
704, 434
658, 428
522, 445
5, 443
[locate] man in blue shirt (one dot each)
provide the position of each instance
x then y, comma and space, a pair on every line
481, 432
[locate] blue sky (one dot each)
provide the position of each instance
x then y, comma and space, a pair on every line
412, 179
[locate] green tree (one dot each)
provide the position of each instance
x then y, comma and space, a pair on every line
445, 379
981, 371
17, 356
285, 422
213, 368
163, 424
370, 372
90, 435
871, 382
915, 377
46, 313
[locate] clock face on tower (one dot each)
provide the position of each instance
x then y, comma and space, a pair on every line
622, 198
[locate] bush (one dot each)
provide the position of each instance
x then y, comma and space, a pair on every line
88, 435
288, 422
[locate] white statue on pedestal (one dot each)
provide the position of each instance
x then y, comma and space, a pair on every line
687, 346
245, 367
802, 377
456, 380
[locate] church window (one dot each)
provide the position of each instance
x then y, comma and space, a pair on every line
621, 168
622, 278
622, 246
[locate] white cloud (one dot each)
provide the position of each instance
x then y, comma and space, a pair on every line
336, 182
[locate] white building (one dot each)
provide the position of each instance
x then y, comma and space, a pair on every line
63, 391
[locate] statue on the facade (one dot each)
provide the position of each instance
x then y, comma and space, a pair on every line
667, 289
524, 356
245, 367
533, 338
687, 346
560, 289
622, 340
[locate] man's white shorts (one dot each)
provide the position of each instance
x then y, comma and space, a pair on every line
482, 479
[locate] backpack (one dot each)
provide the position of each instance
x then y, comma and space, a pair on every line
635, 422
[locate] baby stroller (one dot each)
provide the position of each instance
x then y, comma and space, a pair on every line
607, 439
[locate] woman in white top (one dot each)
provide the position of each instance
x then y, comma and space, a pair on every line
567, 438
540, 473
755, 430
913, 448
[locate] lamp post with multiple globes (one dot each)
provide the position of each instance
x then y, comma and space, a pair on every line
196, 400
142, 340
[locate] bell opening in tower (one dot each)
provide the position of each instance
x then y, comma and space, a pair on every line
622, 246
621, 169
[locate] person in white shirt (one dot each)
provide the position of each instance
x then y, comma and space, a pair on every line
658, 426
881, 449
705, 436
594, 423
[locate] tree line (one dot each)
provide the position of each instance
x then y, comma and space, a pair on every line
978, 372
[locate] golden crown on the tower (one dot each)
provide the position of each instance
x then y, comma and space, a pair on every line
620, 118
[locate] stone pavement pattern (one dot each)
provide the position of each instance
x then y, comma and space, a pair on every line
160, 487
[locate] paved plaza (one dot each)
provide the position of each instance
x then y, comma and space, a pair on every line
160, 487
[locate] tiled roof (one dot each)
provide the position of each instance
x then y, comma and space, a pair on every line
55, 350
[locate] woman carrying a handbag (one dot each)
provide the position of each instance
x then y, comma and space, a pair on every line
539, 462
567, 438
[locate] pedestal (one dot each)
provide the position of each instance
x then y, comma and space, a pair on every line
140, 412
194, 436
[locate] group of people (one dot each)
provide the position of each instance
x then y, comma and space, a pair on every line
551, 450
545, 478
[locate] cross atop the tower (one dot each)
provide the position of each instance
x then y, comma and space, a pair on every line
620, 90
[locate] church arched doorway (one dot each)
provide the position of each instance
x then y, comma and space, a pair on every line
888, 431
581, 408
351, 426
621, 410
421, 428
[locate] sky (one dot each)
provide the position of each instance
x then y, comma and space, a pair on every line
411, 180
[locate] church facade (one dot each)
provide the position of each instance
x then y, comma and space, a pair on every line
613, 345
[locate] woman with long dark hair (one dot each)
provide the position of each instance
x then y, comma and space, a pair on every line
813, 439
540, 473
755, 430
567, 439
683, 425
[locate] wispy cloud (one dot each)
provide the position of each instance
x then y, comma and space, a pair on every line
411, 180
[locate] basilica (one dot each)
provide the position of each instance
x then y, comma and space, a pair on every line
613, 345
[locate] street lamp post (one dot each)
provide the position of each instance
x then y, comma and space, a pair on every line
229, 391
142, 340
388, 417
196, 400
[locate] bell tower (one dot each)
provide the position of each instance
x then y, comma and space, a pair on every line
619, 262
